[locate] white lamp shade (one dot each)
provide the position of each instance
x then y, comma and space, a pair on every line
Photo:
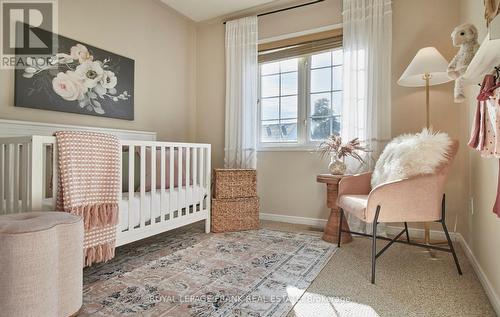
427, 61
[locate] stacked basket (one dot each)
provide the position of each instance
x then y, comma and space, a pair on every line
235, 205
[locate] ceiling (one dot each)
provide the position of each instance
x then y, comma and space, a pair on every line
201, 10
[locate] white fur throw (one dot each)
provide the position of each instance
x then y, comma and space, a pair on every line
410, 155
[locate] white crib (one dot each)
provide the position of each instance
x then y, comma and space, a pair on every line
28, 174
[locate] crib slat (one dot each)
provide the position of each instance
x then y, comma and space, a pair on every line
9, 178
180, 202
2, 178
153, 183
208, 186
143, 186
195, 176
44, 172
188, 180
131, 189
162, 183
45, 164
30, 177
202, 172
120, 183
55, 175
171, 160
16, 177
37, 171
24, 178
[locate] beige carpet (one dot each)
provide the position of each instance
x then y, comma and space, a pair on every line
409, 283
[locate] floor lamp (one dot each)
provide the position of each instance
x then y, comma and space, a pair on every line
428, 68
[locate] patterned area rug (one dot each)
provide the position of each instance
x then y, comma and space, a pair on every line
189, 273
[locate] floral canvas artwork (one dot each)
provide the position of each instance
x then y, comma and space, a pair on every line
78, 78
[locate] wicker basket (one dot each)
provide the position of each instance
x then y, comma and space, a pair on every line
235, 214
235, 183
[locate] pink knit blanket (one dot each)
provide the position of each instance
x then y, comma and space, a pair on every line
89, 185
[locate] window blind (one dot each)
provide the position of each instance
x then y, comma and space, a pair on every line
299, 46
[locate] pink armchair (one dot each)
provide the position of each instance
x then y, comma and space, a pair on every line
415, 199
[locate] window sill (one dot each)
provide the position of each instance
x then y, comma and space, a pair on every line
295, 148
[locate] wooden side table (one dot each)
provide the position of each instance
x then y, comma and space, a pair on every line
332, 226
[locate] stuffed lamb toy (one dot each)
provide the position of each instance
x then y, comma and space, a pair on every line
465, 37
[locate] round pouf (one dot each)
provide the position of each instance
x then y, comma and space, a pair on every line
41, 264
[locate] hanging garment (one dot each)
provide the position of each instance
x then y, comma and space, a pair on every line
478, 127
476, 140
485, 135
492, 137
496, 207
491, 114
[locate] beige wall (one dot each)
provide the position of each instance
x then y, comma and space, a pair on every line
287, 179
210, 88
484, 225
161, 42
415, 25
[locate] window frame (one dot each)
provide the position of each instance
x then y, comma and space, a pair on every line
304, 141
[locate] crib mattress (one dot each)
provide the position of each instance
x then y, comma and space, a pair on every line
152, 200
153, 204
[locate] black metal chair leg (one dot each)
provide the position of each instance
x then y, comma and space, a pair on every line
374, 243
407, 233
445, 229
450, 244
340, 226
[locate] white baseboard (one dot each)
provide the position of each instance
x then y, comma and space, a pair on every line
414, 232
313, 222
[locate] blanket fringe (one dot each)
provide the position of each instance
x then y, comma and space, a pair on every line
97, 216
99, 253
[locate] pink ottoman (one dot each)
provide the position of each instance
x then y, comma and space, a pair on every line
41, 264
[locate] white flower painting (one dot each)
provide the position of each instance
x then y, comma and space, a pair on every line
79, 78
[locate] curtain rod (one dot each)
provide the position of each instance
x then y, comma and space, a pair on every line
286, 9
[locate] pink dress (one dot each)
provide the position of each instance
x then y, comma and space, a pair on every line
485, 136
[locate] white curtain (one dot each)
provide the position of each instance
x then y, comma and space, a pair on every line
366, 110
241, 93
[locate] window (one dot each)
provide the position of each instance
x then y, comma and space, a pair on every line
325, 94
279, 101
300, 99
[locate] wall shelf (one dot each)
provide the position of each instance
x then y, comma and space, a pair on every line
487, 57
